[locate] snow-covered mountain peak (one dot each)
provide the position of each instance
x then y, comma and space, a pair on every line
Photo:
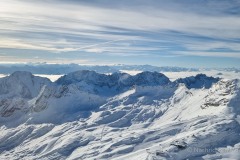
88, 77
22, 84
16, 90
91, 77
198, 81
151, 78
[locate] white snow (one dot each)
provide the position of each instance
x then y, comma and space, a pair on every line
2, 75
52, 77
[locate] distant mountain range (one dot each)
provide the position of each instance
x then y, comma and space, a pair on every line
43, 68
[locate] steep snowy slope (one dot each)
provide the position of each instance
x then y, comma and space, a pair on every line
15, 91
21, 84
86, 115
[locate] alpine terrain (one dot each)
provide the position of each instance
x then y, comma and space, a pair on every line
88, 115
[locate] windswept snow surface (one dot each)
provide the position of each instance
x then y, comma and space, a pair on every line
145, 116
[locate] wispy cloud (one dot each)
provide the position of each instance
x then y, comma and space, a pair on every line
209, 53
135, 28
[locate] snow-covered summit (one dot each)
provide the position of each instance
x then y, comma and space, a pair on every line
22, 84
117, 78
198, 81
83, 75
151, 78
16, 90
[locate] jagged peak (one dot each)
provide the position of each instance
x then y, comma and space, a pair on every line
151, 78
19, 74
24, 76
22, 84
82, 75
144, 78
198, 81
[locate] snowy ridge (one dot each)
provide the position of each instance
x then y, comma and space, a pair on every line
91, 77
87, 115
198, 81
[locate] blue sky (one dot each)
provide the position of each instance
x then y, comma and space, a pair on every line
187, 33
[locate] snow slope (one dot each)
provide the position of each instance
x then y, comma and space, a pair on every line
87, 115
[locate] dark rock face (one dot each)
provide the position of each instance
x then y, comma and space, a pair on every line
198, 81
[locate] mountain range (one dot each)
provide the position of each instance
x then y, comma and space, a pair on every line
89, 115
59, 69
